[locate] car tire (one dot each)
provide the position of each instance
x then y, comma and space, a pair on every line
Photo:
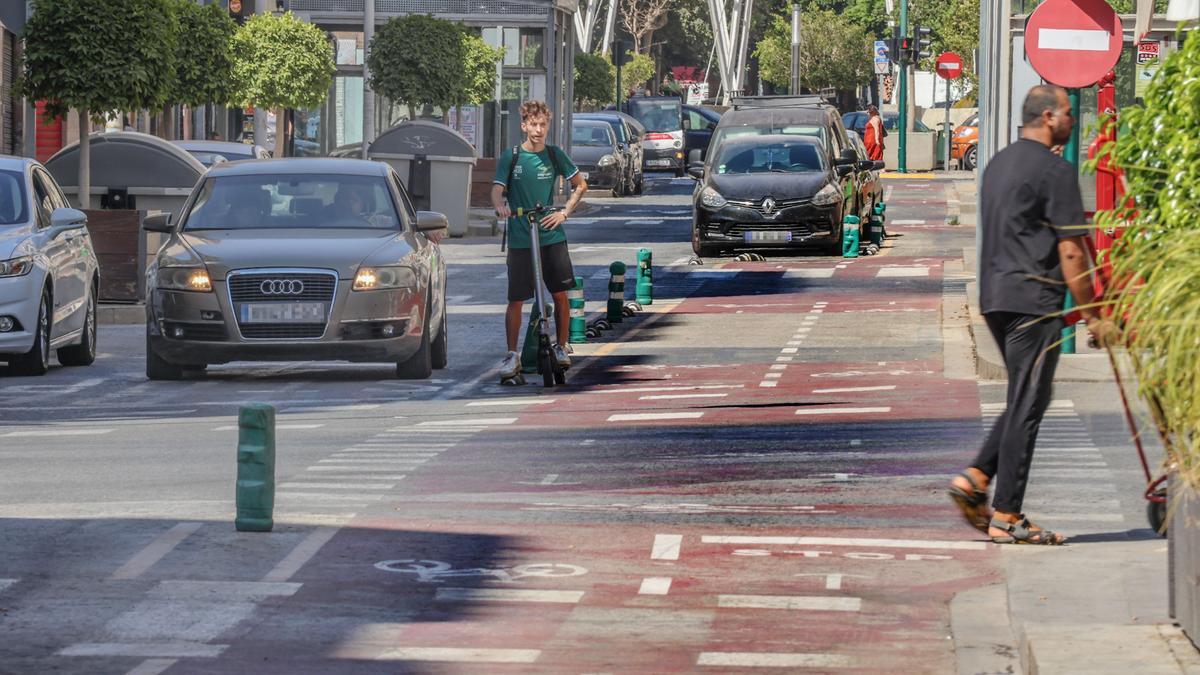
84, 353
702, 249
419, 366
158, 368
36, 361
639, 185
680, 172
970, 157
834, 247
440, 349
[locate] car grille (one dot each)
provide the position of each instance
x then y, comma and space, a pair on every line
740, 229
780, 204
247, 287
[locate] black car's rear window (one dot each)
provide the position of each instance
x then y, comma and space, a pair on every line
13, 206
312, 201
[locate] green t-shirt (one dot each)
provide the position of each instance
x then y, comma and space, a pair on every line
533, 184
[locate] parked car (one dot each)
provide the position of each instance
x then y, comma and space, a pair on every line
49, 275
965, 144
297, 259
869, 184
776, 190
630, 134
698, 126
214, 152
597, 153
663, 118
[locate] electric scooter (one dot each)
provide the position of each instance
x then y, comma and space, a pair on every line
553, 373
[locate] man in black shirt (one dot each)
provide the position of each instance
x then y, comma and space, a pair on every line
1032, 225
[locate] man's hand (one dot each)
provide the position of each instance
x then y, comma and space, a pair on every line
503, 211
553, 220
1104, 331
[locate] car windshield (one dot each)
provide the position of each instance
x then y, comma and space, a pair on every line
12, 198
311, 201
657, 115
782, 157
591, 135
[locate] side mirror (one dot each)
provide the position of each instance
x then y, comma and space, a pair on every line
431, 221
695, 156
866, 165
696, 170
843, 170
849, 154
68, 219
158, 222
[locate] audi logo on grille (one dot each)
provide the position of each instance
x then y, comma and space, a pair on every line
281, 287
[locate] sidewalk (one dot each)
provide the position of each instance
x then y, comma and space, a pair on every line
1099, 604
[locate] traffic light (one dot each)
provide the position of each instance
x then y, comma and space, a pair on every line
895, 45
920, 46
620, 53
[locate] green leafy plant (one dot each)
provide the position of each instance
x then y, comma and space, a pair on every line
593, 79
98, 58
833, 52
479, 71
281, 62
418, 60
1154, 262
637, 71
203, 56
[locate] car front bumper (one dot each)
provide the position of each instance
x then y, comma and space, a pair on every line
19, 299
189, 328
959, 150
739, 225
601, 177
664, 159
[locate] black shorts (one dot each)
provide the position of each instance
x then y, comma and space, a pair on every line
556, 271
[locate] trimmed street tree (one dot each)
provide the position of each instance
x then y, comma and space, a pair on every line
593, 80
479, 70
203, 58
637, 71
417, 61
833, 52
98, 58
280, 62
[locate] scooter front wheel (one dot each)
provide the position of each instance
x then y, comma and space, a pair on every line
546, 366
560, 375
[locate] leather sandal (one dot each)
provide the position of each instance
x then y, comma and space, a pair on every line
1022, 532
973, 504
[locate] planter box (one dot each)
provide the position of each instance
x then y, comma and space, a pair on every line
1184, 533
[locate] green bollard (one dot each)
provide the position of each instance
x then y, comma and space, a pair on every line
850, 242
578, 319
529, 350
256, 468
877, 230
616, 292
645, 277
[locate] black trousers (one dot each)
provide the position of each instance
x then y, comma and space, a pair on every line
1030, 354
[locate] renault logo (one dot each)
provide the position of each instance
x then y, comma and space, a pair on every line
768, 206
281, 287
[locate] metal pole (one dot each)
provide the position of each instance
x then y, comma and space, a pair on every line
795, 88
1071, 154
260, 114
946, 167
744, 44
618, 52
902, 147
368, 130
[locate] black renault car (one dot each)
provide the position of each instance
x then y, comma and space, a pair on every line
777, 190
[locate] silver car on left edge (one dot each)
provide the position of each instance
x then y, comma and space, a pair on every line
49, 275
295, 260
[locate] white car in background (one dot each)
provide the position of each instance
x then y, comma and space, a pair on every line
49, 275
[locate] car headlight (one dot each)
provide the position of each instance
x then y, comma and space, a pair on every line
194, 279
712, 199
16, 267
383, 278
827, 196
608, 160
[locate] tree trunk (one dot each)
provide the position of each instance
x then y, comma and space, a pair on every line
85, 161
280, 133
167, 131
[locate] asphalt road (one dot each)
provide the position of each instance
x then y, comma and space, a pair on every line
749, 474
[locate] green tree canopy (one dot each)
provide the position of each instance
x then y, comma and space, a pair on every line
418, 60
203, 58
637, 71
833, 52
99, 57
281, 62
479, 73
593, 79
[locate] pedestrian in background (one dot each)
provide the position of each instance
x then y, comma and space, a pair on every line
1032, 227
873, 134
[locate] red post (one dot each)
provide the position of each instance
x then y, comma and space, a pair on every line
1108, 187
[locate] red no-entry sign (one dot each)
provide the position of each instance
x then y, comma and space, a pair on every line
1073, 43
949, 66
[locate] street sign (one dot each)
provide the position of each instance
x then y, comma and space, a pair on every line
949, 66
1147, 52
1073, 43
882, 60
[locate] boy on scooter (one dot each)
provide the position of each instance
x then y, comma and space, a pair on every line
525, 177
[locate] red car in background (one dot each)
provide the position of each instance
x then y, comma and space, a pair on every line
965, 143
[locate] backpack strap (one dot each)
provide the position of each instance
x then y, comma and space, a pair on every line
512, 167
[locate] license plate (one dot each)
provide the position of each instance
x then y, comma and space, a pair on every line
767, 236
283, 312
658, 162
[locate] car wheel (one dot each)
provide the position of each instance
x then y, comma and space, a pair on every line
639, 185
84, 353
441, 347
419, 366
834, 247
680, 172
158, 368
700, 248
970, 157
36, 361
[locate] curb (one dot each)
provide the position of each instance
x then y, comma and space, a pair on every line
121, 315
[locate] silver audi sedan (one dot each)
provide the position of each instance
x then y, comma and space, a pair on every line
297, 259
